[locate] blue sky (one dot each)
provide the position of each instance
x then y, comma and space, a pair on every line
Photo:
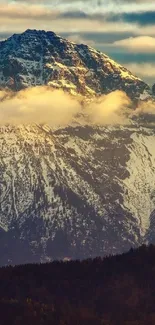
124, 30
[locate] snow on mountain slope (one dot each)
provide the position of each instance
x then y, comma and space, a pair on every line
141, 183
44, 58
76, 192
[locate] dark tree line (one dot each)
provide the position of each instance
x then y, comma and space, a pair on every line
117, 290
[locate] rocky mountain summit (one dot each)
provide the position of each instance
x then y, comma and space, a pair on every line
77, 191
44, 58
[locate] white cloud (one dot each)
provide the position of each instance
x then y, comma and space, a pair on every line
110, 109
143, 44
46, 15
98, 6
56, 108
38, 105
145, 108
26, 11
44, 105
143, 69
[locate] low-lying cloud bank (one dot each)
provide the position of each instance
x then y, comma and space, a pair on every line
110, 109
38, 105
57, 108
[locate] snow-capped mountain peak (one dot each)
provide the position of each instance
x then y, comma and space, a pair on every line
44, 58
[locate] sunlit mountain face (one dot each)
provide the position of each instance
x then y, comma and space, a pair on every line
77, 128
43, 58
85, 187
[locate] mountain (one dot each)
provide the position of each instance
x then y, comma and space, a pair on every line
114, 290
75, 191
43, 58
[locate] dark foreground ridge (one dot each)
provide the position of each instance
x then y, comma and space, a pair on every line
117, 290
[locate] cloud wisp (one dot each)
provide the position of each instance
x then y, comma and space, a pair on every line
41, 105
38, 105
113, 108
143, 44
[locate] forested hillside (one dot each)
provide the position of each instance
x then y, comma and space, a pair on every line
117, 290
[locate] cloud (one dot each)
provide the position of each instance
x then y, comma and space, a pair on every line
141, 18
75, 16
17, 18
3, 94
26, 11
59, 25
42, 105
145, 112
144, 44
98, 4
138, 44
38, 105
136, 1
99, 38
117, 109
56, 108
78, 39
110, 109
142, 69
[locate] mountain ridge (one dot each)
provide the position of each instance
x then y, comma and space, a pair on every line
44, 58
113, 290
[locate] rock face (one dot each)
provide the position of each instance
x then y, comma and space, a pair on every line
78, 191
43, 58
75, 192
